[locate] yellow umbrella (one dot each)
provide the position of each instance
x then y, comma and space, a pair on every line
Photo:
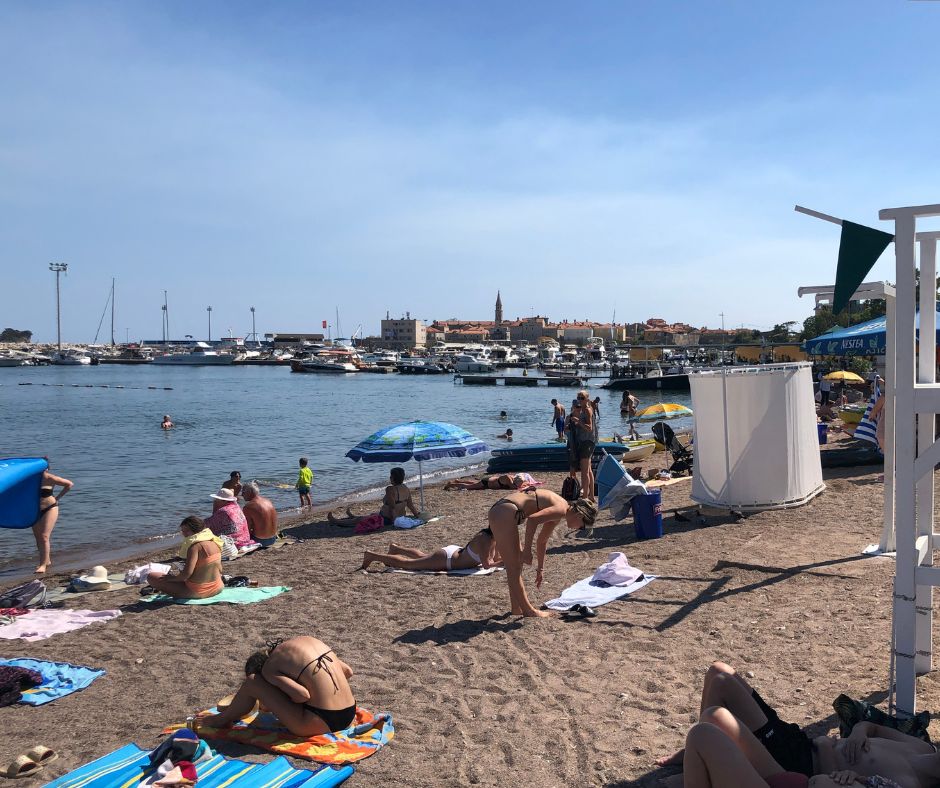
663, 410
845, 377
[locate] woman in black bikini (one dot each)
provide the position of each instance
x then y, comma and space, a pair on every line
396, 502
48, 514
539, 510
301, 681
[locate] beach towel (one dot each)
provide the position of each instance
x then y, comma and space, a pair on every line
478, 572
129, 765
232, 596
366, 736
593, 594
867, 430
58, 679
41, 624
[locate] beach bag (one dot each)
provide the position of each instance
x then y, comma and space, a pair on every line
571, 489
31, 594
229, 549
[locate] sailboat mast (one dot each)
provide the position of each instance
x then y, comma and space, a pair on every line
112, 311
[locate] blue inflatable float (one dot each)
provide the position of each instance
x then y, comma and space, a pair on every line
20, 480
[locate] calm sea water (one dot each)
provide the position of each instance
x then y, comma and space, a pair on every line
134, 482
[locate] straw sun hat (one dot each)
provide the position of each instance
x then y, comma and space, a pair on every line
225, 494
95, 580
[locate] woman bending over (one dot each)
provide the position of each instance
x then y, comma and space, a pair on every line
480, 551
540, 511
301, 681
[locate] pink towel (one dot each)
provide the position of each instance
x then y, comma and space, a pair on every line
41, 624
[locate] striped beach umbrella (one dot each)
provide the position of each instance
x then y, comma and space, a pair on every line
663, 410
417, 440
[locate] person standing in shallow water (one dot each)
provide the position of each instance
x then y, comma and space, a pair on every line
48, 515
304, 482
558, 419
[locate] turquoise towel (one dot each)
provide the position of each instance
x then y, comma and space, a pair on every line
234, 596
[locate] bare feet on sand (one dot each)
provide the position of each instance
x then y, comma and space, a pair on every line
671, 760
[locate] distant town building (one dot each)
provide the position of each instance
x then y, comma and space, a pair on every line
405, 333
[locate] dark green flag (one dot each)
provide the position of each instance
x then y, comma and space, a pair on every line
859, 250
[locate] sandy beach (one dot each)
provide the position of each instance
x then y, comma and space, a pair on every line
480, 698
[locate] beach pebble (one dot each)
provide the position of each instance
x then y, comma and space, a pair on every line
139, 661
624, 696
749, 674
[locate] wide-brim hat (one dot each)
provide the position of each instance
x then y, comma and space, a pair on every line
225, 494
97, 576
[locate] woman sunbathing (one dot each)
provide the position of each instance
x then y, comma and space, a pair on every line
301, 681
539, 510
504, 481
396, 503
480, 551
201, 577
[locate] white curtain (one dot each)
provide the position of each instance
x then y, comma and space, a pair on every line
755, 437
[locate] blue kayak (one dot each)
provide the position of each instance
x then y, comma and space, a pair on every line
20, 480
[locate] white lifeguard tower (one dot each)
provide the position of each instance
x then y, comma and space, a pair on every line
911, 448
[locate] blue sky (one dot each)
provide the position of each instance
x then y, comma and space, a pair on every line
404, 156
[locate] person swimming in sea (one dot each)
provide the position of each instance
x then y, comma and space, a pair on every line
167, 424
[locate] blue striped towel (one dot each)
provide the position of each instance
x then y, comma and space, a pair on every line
866, 429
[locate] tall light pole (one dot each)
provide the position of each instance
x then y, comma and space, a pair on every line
58, 268
209, 312
254, 334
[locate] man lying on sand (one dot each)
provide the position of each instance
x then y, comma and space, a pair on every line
741, 741
301, 681
479, 551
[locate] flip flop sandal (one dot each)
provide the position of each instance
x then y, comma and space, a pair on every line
23, 766
582, 610
42, 755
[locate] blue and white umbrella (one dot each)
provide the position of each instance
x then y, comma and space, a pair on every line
417, 440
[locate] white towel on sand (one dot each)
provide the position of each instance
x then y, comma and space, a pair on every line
479, 571
587, 592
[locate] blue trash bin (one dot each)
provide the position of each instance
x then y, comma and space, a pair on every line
823, 430
648, 515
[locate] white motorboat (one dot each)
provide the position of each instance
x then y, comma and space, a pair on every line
70, 358
200, 355
15, 359
382, 358
331, 361
467, 363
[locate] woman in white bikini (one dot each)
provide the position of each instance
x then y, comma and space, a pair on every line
480, 551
